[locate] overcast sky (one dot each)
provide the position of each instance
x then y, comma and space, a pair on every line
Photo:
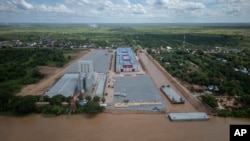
124, 11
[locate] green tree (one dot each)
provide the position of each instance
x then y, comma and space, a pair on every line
92, 107
210, 100
88, 98
24, 105
245, 99
57, 99
53, 109
5, 98
37, 74
96, 99
103, 99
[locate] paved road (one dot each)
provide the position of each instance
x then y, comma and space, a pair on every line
160, 79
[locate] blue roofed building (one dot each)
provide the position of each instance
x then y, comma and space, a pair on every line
126, 60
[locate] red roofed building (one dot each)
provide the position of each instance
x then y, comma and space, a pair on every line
197, 88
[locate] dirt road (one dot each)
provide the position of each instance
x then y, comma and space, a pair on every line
161, 78
53, 73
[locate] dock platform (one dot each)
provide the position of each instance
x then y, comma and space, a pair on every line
188, 116
172, 95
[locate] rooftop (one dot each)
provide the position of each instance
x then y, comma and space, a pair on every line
101, 80
197, 88
65, 86
125, 56
100, 58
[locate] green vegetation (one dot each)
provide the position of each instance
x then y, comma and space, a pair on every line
210, 100
93, 106
196, 67
145, 35
57, 100
19, 67
18, 105
235, 112
24, 105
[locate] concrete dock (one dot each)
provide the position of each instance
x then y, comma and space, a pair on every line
188, 116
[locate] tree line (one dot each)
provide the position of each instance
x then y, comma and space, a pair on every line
23, 105
19, 67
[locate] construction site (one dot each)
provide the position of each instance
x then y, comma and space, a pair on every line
125, 81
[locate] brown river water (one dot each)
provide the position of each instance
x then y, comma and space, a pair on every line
114, 127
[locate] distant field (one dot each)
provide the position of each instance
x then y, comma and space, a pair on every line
145, 35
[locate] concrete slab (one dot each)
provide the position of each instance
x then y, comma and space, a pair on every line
138, 90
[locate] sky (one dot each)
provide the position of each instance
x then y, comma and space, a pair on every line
124, 11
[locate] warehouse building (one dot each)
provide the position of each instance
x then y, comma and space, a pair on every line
67, 86
126, 60
90, 71
100, 84
100, 59
82, 81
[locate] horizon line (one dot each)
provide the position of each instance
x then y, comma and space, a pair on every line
125, 23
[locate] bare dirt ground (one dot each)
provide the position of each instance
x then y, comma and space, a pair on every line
52, 74
224, 101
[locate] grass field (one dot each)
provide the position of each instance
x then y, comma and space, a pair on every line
145, 35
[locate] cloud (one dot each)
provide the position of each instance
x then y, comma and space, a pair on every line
138, 9
127, 2
115, 8
6, 6
231, 11
57, 9
194, 6
125, 10
15, 6
229, 8
177, 4
106, 5
24, 5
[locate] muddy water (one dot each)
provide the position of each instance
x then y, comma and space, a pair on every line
114, 127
